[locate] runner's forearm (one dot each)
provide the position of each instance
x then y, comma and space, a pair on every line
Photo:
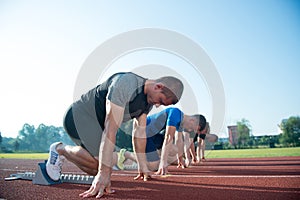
139, 146
165, 151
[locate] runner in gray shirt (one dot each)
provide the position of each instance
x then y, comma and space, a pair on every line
92, 123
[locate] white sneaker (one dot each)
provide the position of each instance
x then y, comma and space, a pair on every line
54, 163
133, 166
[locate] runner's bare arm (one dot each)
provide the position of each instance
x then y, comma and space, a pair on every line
101, 183
163, 165
180, 146
139, 145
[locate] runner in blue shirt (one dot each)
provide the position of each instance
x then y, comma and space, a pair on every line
160, 132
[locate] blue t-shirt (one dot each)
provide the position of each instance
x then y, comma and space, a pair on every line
158, 121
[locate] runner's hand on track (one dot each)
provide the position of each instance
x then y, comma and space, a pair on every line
181, 165
100, 185
142, 176
188, 162
162, 171
194, 161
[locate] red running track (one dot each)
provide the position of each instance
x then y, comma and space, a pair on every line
254, 178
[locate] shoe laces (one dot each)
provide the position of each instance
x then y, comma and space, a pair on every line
53, 157
56, 158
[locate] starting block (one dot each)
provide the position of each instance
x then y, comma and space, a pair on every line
40, 177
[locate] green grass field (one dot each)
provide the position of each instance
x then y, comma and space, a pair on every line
25, 155
253, 153
238, 153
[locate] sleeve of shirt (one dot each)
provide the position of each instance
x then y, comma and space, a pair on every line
148, 109
121, 90
174, 118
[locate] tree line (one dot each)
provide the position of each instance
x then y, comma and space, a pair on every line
32, 139
290, 136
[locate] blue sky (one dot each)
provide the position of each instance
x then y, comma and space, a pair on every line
255, 46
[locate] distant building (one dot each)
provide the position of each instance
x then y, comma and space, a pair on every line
233, 135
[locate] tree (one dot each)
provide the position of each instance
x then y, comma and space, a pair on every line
290, 131
39, 139
16, 145
0, 142
26, 137
243, 129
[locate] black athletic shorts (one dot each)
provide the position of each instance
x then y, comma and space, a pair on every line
202, 136
70, 128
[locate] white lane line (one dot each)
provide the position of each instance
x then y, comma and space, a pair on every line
180, 176
215, 176
23, 171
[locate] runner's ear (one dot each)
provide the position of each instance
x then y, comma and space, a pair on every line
159, 86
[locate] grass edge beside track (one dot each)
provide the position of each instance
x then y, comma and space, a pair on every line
253, 153
236, 153
24, 156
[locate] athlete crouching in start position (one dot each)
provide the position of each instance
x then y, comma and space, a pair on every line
196, 155
164, 137
161, 129
92, 123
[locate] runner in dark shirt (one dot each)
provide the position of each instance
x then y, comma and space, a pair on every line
92, 123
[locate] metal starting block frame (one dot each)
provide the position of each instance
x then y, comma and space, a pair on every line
40, 177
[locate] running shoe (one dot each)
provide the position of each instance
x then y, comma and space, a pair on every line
54, 163
121, 159
133, 166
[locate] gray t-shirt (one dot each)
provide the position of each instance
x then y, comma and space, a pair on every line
123, 89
